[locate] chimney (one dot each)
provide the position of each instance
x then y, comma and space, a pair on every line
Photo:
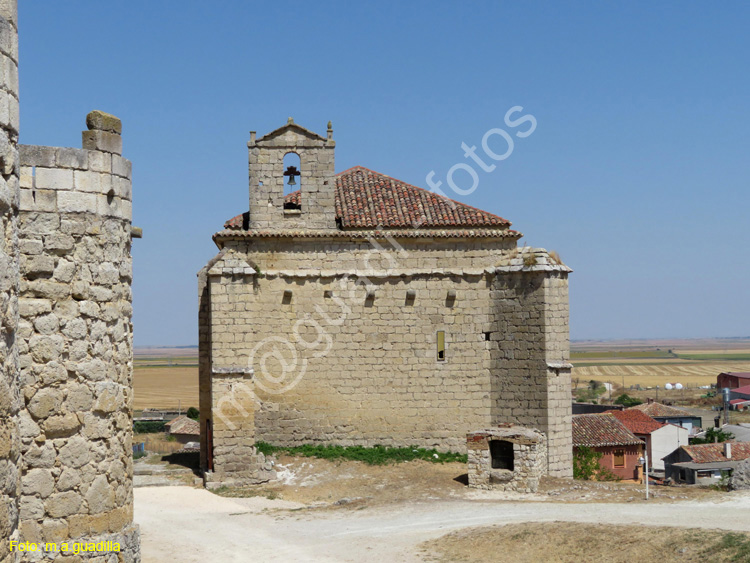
728, 450
650, 400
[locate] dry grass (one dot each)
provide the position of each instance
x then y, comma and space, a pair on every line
574, 542
165, 387
157, 443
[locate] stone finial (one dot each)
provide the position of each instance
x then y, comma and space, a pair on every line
290, 121
330, 131
101, 121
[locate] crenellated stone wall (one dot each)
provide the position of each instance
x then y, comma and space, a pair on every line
75, 343
9, 392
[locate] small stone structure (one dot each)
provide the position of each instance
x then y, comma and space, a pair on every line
512, 458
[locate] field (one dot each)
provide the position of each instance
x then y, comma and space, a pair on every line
168, 377
690, 374
627, 364
165, 378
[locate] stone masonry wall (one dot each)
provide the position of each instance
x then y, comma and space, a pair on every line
316, 183
359, 357
9, 397
75, 343
529, 358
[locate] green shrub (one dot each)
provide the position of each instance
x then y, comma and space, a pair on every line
376, 455
193, 413
585, 463
148, 426
627, 401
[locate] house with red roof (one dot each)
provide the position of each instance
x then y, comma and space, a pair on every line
661, 438
671, 415
358, 309
183, 429
739, 398
704, 464
621, 449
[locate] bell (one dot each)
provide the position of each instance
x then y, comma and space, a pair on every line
291, 181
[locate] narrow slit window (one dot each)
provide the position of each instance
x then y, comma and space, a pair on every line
441, 346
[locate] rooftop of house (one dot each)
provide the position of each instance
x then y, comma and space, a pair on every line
711, 453
744, 390
183, 425
595, 430
658, 410
741, 374
638, 422
368, 200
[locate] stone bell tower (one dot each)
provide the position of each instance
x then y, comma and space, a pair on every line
313, 208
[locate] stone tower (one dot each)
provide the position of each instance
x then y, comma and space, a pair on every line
75, 342
315, 207
9, 397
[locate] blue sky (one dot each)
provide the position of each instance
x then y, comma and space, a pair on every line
637, 173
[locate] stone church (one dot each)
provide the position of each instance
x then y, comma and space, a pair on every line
352, 308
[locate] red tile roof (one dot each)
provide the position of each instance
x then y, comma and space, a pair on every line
658, 410
638, 422
366, 200
744, 390
710, 453
184, 425
594, 430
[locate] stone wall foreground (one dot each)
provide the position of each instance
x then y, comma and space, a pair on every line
75, 344
10, 403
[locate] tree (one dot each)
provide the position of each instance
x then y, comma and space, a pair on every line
193, 413
713, 435
627, 401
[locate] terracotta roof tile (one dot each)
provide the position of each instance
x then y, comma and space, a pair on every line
184, 425
658, 410
604, 429
638, 422
710, 453
367, 200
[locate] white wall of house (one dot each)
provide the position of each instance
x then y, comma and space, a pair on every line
664, 441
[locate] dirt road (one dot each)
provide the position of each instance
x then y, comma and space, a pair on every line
196, 526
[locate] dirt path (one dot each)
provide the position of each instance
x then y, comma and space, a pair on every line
198, 526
